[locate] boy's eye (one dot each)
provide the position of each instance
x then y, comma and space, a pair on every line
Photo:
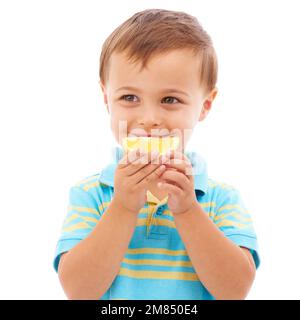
172, 98
125, 97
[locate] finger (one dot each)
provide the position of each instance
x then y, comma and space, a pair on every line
149, 174
177, 178
181, 166
179, 161
143, 161
129, 157
177, 155
170, 188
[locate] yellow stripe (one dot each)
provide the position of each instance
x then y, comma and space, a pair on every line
157, 221
229, 223
156, 262
104, 205
157, 251
95, 184
87, 180
80, 225
207, 204
142, 222
84, 209
76, 215
72, 217
166, 212
89, 219
232, 206
212, 214
87, 187
172, 275
233, 214
223, 186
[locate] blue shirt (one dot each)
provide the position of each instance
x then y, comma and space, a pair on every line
156, 264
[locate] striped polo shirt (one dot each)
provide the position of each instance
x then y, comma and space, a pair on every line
156, 264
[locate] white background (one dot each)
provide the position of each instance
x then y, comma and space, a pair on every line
53, 125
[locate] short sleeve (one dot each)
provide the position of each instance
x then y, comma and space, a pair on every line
233, 219
82, 215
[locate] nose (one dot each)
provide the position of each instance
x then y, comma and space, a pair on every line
149, 118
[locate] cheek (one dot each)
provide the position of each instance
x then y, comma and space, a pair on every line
183, 119
182, 124
183, 128
120, 125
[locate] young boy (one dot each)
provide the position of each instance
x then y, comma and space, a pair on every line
140, 229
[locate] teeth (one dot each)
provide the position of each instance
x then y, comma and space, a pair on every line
150, 144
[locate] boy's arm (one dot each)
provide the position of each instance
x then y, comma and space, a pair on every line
224, 268
88, 269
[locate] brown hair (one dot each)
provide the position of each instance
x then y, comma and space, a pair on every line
155, 31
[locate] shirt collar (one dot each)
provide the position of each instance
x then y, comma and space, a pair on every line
152, 200
198, 164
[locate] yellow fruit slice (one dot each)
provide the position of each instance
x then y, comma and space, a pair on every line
149, 144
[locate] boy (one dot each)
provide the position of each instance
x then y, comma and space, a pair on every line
145, 227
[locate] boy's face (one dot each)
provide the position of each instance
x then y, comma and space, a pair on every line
149, 104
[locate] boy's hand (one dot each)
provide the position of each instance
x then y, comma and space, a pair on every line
132, 176
179, 183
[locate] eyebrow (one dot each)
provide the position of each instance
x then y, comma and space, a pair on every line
170, 90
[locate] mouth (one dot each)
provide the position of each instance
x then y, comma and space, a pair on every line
133, 135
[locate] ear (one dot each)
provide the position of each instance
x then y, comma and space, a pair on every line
104, 91
207, 104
